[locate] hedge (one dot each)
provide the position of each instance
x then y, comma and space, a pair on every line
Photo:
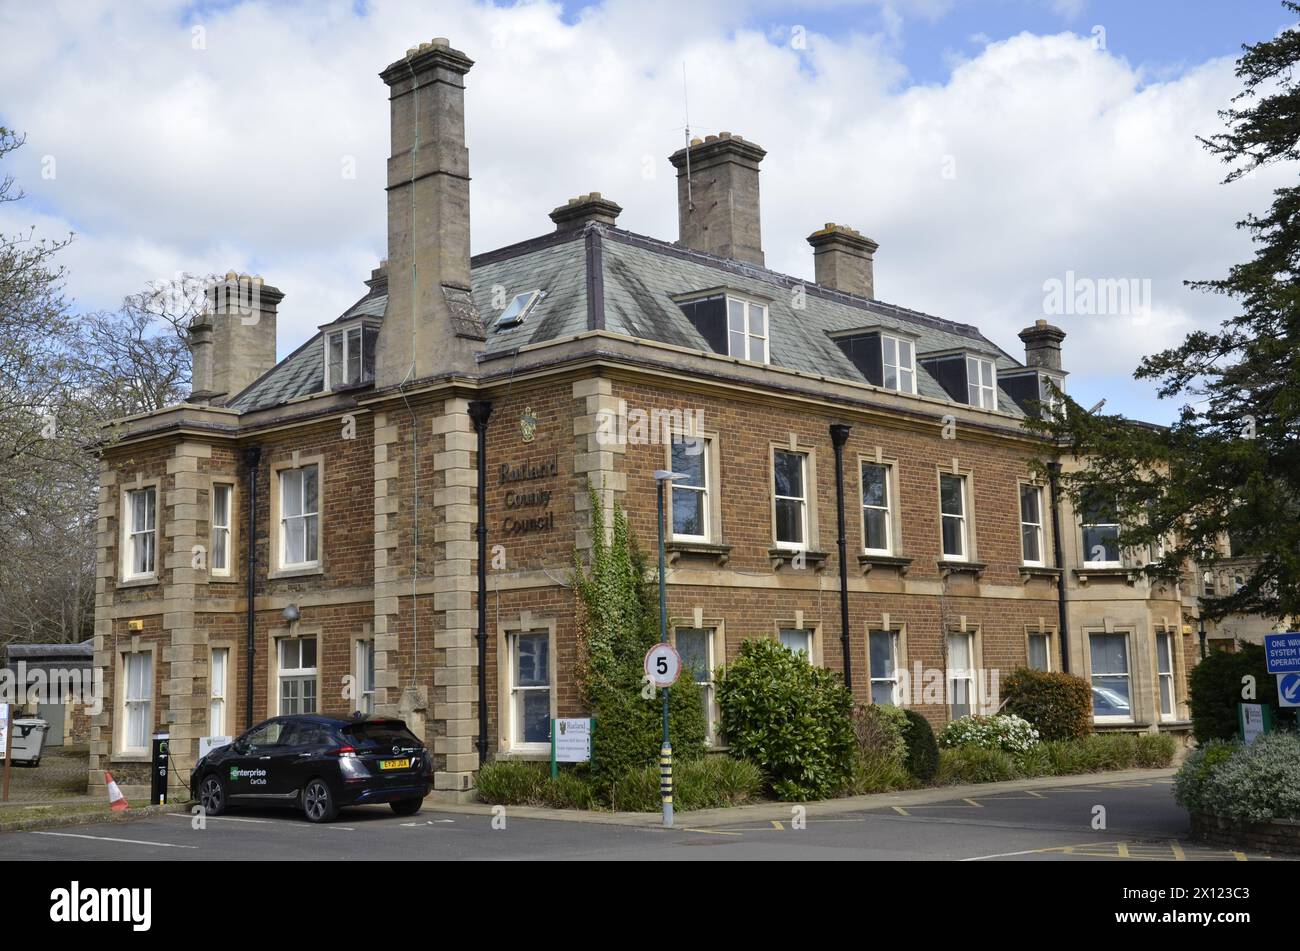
1059, 705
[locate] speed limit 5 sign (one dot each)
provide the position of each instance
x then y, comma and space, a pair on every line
663, 665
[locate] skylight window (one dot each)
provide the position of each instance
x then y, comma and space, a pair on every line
518, 309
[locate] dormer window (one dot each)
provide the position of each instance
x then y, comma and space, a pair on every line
747, 330
981, 383
350, 356
519, 307
1051, 405
898, 363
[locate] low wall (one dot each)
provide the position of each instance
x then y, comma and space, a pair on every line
1276, 835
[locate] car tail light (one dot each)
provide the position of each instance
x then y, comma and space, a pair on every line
349, 751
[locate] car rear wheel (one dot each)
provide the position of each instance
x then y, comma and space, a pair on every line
407, 807
212, 796
318, 802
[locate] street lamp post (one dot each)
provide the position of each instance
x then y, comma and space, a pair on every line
662, 477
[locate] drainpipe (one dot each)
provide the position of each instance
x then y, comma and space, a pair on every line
252, 458
839, 436
1054, 474
479, 411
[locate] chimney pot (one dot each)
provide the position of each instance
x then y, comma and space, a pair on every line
1043, 345
576, 212
719, 212
844, 259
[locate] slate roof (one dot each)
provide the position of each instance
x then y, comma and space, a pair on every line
602, 276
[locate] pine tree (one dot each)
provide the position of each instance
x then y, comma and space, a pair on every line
1230, 465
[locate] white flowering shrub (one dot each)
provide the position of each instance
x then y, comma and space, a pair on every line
1247, 783
1004, 731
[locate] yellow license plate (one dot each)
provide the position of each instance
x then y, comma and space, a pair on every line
394, 764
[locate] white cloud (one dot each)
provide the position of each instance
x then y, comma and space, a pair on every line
1066, 158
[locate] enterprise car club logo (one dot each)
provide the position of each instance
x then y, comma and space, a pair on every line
77, 904
237, 773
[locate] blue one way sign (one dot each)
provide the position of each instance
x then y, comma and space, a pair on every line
1282, 652
1288, 690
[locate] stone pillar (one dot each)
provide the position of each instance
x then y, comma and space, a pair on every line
596, 454
388, 587
103, 662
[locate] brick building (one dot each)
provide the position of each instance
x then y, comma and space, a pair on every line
302, 534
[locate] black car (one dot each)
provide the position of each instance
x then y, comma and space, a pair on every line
317, 764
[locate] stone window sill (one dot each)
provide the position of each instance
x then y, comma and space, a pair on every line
786, 556
296, 572
1030, 572
974, 568
674, 551
898, 563
139, 582
1129, 575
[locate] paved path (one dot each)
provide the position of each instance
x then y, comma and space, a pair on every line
1042, 822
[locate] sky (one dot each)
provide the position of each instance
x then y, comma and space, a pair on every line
1009, 156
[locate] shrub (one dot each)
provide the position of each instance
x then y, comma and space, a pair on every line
790, 718
1005, 731
1245, 783
1111, 750
568, 790
975, 764
1155, 751
1215, 690
922, 749
619, 622
512, 783
1035, 761
1190, 780
708, 783
1058, 705
881, 728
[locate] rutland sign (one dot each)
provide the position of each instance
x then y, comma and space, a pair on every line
528, 506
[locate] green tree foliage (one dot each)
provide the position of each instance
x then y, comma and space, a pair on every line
1230, 464
1222, 681
619, 623
922, 747
793, 719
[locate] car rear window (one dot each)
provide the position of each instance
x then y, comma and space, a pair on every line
379, 733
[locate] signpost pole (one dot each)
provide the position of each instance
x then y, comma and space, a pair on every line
666, 750
6, 714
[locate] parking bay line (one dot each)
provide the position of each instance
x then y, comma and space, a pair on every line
270, 822
105, 838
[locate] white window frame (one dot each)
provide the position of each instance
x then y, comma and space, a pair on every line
218, 690
985, 394
899, 368
1088, 560
303, 515
746, 332
802, 500
708, 688
704, 491
516, 692
1128, 675
364, 661
136, 703
1047, 649
887, 508
131, 536
811, 633
895, 645
1040, 534
222, 535
1162, 676
954, 675
962, 519
299, 674
346, 334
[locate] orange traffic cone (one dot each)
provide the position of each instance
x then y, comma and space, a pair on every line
116, 801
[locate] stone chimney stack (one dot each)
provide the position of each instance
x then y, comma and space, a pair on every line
1043, 345
574, 215
843, 259
232, 342
717, 205
430, 324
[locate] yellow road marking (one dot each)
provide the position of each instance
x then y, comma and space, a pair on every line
1179, 854
1239, 856
973, 803
712, 831
1122, 849
901, 811
1036, 795
777, 825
